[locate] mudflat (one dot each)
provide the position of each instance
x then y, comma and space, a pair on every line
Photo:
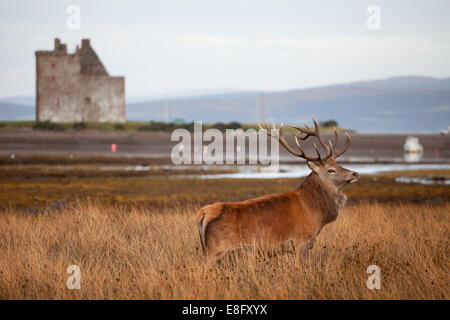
136, 144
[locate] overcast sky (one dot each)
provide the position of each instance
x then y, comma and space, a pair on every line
187, 46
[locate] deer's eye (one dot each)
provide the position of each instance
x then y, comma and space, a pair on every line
331, 171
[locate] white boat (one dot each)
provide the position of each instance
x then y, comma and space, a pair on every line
412, 145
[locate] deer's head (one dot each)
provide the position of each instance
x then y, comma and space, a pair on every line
331, 173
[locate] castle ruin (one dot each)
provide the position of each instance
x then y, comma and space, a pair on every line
76, 87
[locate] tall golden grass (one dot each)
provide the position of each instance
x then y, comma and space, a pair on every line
143, 253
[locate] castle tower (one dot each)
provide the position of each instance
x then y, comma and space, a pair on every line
76, 87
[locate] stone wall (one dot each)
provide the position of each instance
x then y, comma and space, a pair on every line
76, 87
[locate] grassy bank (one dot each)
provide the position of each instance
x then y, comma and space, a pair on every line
153, 126
34, 187
128, 125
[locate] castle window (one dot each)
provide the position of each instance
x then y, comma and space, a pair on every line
87, 100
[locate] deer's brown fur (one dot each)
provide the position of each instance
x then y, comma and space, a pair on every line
298, 215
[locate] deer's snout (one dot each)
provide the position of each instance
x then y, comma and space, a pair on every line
355, 175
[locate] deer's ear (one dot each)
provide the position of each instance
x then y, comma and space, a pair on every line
314, 167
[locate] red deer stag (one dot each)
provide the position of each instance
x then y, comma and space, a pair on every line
298, 215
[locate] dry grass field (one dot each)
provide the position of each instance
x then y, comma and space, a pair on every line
127, 252
133, 235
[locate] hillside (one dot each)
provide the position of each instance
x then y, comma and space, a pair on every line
403, 104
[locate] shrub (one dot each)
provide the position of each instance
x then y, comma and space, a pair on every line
165, 126
329, 123
219, 125
170, 126
223, 126
234, 125
47, 125
119, 126
79, 125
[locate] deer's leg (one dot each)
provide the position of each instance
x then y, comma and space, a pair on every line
310, 243
219, 256
292, 242
288, 245
304, 249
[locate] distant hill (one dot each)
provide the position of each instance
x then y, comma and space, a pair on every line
16, 112
17, 108
23, 100
402, 83
400, 104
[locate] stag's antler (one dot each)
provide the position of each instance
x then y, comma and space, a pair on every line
308, 133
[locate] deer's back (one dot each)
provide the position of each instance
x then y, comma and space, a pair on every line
278, 216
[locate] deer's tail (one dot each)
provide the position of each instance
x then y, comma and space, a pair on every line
201, 229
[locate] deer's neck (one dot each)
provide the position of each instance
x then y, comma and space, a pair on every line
324, 200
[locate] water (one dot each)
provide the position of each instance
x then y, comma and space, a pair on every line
296, 171
423, 180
